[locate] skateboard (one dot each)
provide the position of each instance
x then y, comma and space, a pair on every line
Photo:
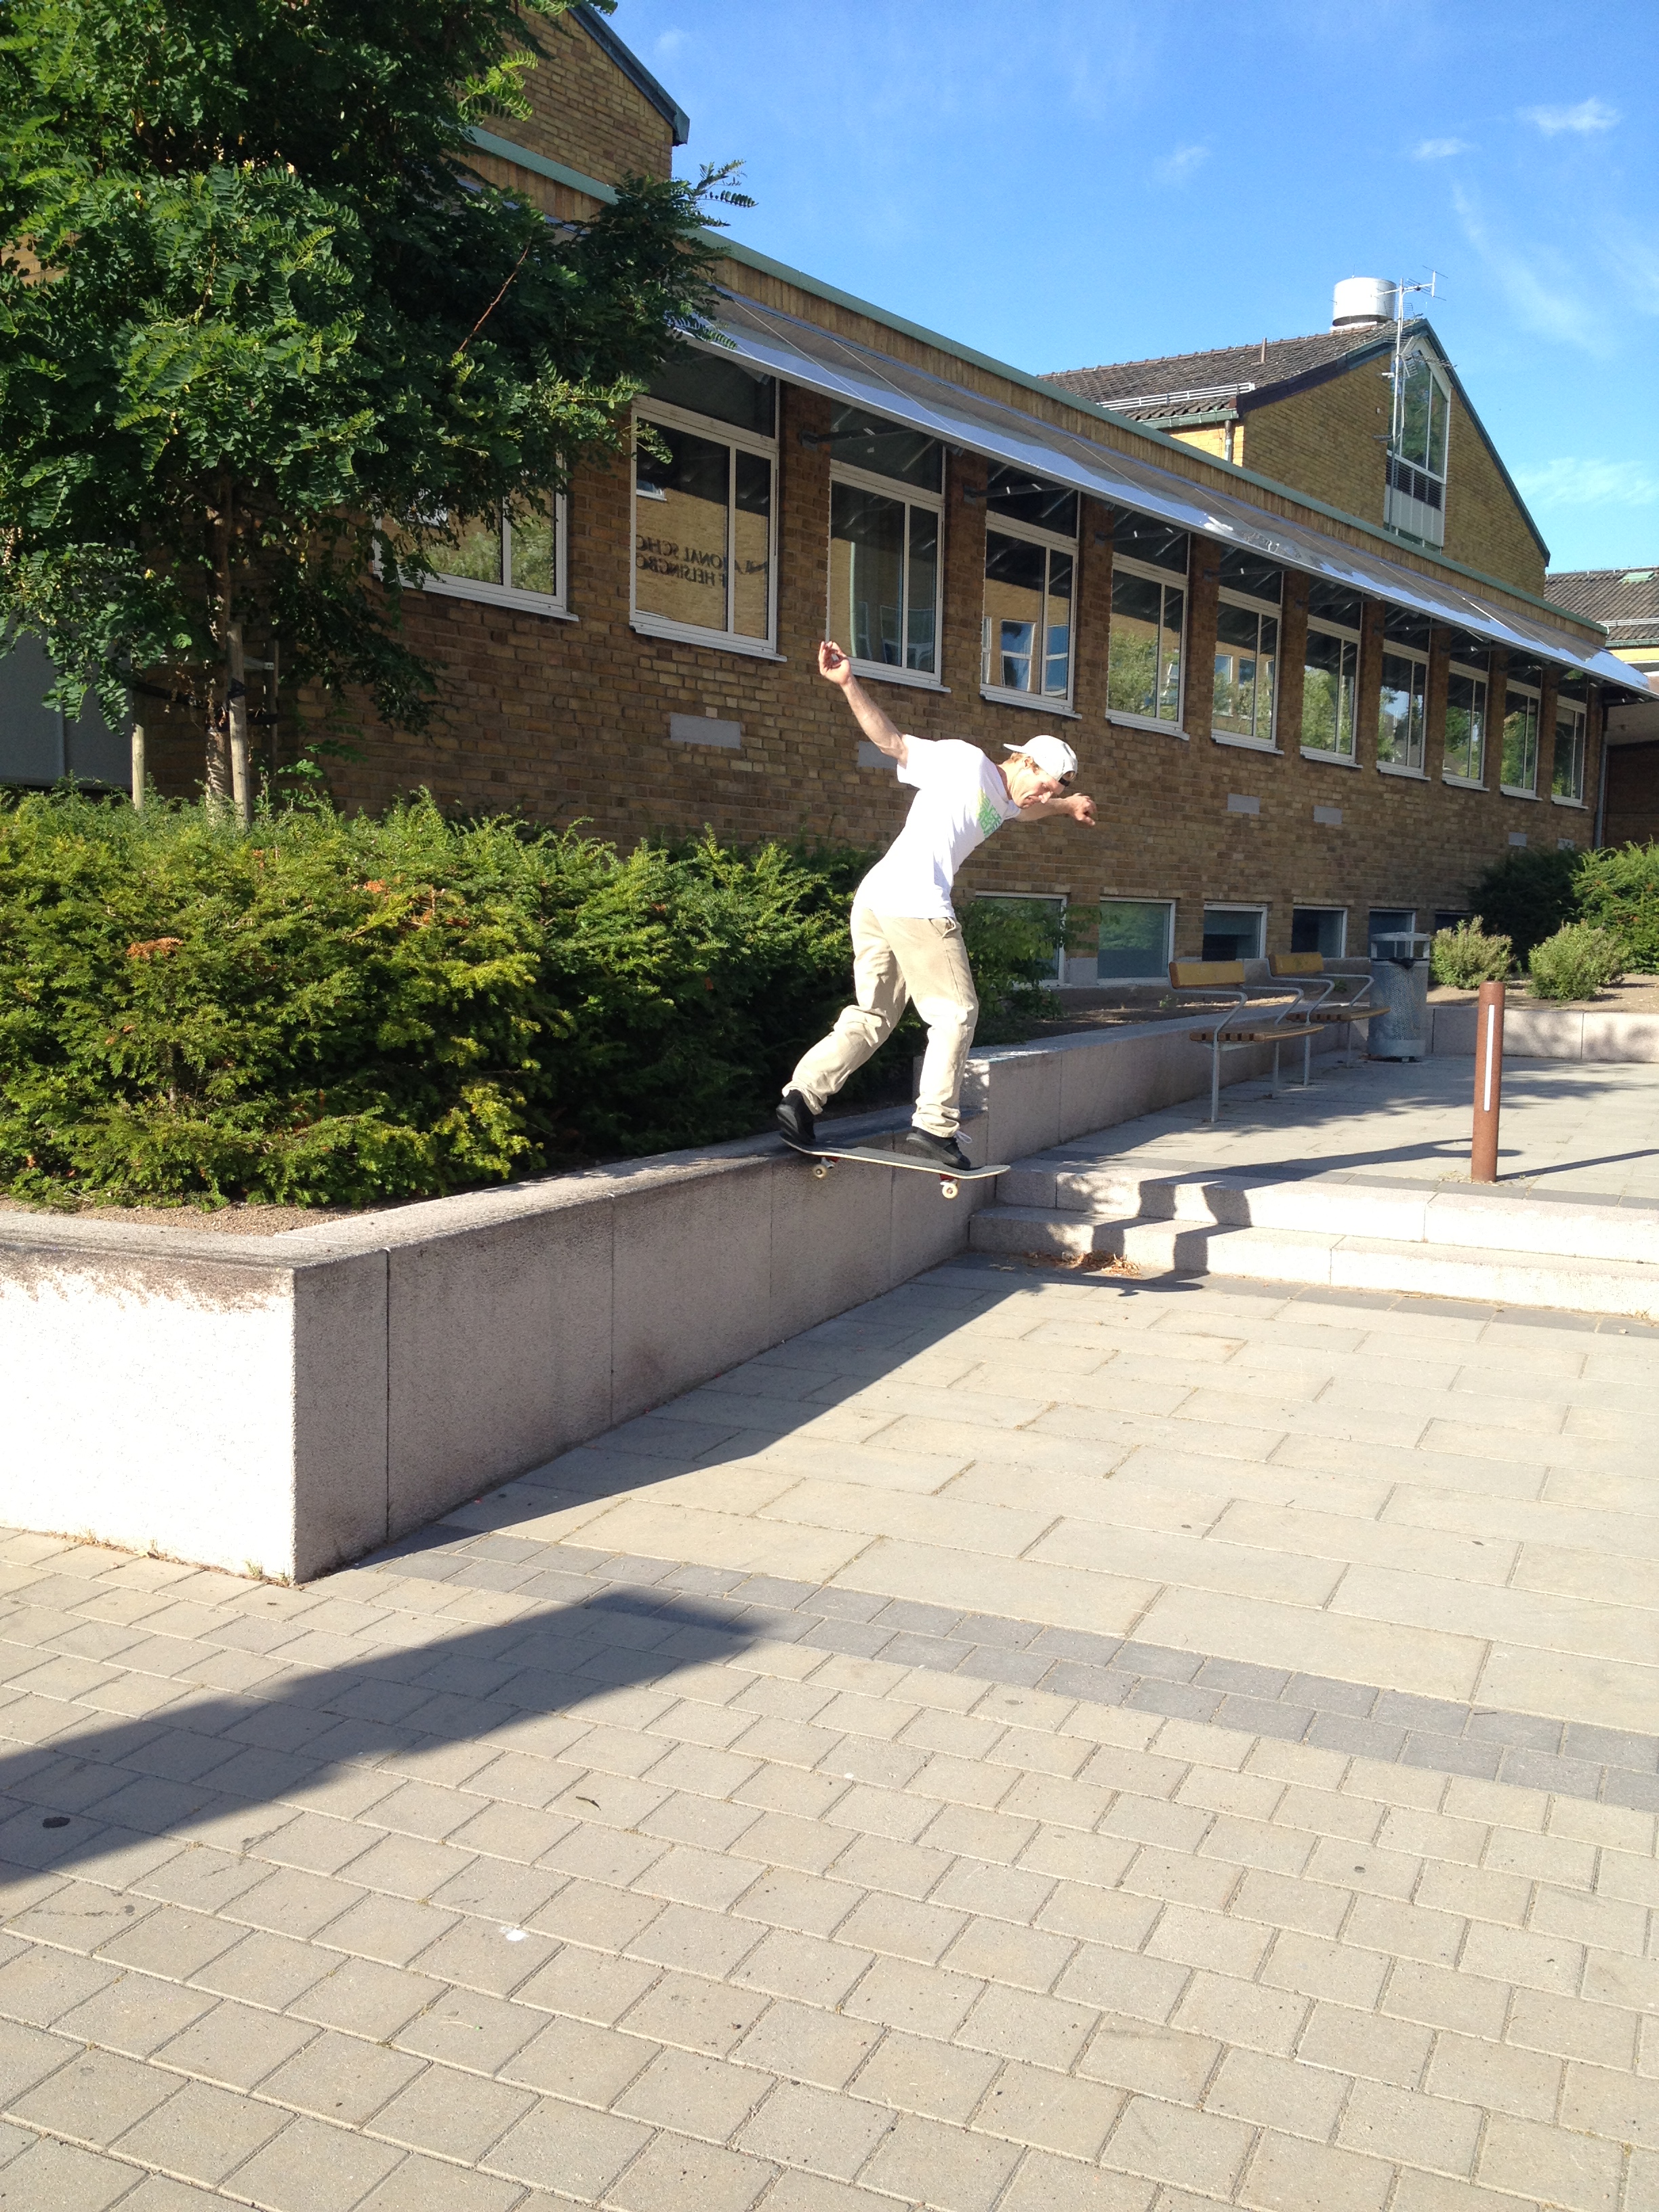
950, 1180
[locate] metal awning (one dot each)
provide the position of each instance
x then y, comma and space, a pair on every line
801, 353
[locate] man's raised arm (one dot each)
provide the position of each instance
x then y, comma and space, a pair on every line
835, 668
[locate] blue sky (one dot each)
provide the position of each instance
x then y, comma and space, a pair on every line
1089, 180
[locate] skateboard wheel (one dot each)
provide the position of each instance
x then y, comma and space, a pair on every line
821, 1170
947, 1190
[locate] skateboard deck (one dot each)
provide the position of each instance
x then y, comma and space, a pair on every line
825, 1156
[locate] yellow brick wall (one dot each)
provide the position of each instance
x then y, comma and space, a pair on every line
586, 114
1328, 442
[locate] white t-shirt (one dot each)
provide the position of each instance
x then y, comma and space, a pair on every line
960, 799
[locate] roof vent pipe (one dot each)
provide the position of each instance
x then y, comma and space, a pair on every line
1359, 301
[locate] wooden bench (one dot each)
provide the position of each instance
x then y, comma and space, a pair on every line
1325, 1010
1244, 1024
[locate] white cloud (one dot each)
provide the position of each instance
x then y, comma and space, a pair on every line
1543, 293
1175, 169
1568, 482
670, 44
1440, 149
1588, 116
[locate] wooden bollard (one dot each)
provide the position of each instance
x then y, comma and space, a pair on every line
1488, 1082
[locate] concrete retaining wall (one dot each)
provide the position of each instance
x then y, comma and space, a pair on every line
282, 1404
1551, 1033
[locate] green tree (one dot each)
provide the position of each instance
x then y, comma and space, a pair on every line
254, 301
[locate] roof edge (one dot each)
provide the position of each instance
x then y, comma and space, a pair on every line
539, 165
634, 69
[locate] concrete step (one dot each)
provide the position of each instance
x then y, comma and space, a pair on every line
1487, 1276
1397, 1209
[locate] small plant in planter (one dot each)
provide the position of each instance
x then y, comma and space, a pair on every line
1577, 962
1464, 957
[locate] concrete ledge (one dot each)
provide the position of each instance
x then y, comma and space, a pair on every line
1551, 1033
282, 1404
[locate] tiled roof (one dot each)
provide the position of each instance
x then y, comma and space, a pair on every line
1223, 368
1625, 599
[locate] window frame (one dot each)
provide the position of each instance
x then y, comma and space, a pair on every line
1173, 580
1264, 611
1326, 626
1533, 694
1483, 677
907, 496
1052, 541
1162, 974
1434, 479
1061, 899
1341, 912
1578, 709
736, 440
481, 591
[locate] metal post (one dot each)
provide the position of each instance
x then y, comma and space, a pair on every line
137, 763
1488, 1082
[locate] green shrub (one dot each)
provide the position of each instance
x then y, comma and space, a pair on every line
1618, 890
1464, 957
332, 1009
1527, 896
1577, 962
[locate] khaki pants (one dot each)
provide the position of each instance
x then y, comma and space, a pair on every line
896, 958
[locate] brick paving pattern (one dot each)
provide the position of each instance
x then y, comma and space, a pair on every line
884, 1777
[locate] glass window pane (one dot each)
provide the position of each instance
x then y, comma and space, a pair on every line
1144, 538
1466, 716
1400, 719
1246, 647
1327, 692
1439, 416
1232, 932
1013, 610
706, 384
1134, 941
1520, 762
1057, 658
1417, 387
532, 550
887, 449
1318, 929
477, 557
1134, 657
1568, 780
1026, 498
866, 573
751, 534
679, 529
923, 584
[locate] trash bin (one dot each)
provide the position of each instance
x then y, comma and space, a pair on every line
1400, 990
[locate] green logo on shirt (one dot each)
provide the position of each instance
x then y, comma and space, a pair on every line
990, 814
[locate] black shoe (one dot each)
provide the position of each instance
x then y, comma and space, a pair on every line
795, 1122
937, 1151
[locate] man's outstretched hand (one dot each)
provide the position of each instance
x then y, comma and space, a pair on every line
833, 664
1081, 808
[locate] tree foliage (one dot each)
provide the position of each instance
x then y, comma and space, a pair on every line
1527, 896
254, 301
1618, 888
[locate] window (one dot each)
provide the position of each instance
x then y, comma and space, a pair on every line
1234, 933
1567, 782
1466, 716
1414, 501
513, 558
1330, 673
1148, 606
1518, 767
1135, 941
1246, 650
1030, 560
886, 521
703, 471
1389, 921
1322, 929
1401, 717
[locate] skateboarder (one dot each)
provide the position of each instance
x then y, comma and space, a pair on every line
906, 941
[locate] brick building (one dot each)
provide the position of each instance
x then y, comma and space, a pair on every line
1625, 601
1302, 693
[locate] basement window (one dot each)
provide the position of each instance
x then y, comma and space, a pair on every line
1234, 933
1322, 929
1136, 938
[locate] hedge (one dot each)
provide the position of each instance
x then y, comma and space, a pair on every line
347, 1010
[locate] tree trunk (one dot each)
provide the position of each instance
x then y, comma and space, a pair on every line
138, 764
219, 780
236, 721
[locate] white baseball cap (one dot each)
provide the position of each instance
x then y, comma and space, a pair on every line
1052, 755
